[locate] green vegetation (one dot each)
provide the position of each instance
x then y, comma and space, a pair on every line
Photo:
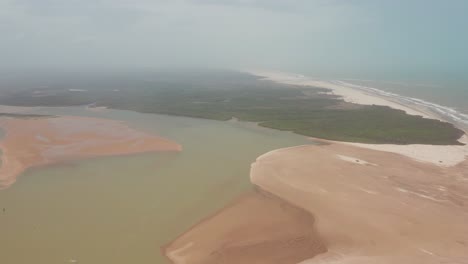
371, 124
224, 95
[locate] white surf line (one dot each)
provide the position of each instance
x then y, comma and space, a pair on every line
348, 94
437, 108
368, 95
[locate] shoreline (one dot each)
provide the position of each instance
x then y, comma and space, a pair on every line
406, 176
353, 94
347, 94
441, 155
348, 219
432, 156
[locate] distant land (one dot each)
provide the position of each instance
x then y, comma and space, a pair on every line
223, 95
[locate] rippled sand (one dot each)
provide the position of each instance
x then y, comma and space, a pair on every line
31, 142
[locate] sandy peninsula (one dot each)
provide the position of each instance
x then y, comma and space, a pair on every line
372, 206
32, 142
337, 203
257, 228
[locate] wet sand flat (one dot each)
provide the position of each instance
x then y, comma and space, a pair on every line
257, 228
31, 142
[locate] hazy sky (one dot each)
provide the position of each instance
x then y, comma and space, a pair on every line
325, 36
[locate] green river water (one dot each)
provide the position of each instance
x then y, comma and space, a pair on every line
121, 210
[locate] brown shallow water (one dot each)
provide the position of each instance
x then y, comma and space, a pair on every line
123, 209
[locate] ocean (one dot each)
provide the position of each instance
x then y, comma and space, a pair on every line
448, 100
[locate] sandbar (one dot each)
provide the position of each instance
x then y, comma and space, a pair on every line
257, 228
337, 203
32, 142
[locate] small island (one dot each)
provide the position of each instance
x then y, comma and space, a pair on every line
39, 140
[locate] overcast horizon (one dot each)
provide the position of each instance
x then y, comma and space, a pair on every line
343, 38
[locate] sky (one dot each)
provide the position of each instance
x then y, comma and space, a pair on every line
344, 38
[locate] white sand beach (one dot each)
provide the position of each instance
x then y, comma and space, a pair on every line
444, 156
435, 154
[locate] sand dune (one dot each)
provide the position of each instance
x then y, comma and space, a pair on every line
33, 142
385, 208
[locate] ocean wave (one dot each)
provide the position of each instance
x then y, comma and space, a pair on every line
445, 112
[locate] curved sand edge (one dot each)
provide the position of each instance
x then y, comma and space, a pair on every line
372, 206
33, 142
257, 227
364, 206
